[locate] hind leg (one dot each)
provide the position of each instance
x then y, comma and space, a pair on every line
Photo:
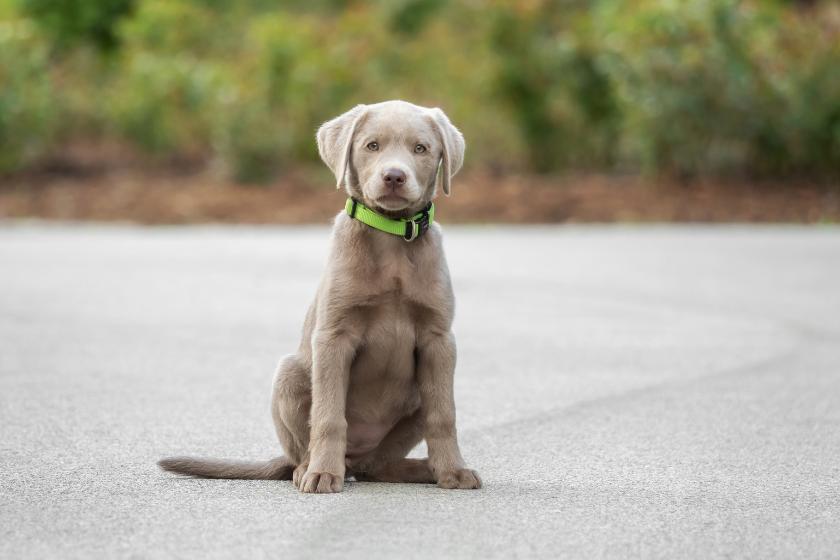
291, 401
401, 470
387, 462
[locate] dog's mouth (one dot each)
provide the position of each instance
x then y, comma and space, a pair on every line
392, 202
392, 198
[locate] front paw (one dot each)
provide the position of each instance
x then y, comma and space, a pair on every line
300, 472
462, 479
321, 483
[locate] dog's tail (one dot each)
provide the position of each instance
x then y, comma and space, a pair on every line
276, 469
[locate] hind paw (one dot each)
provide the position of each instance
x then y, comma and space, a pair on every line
463, 479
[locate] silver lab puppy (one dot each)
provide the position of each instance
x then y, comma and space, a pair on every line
374, 372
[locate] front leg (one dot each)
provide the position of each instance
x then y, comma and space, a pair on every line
436, 377
332, 354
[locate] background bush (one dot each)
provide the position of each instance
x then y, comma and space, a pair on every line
70, 22
685, 87
26, 95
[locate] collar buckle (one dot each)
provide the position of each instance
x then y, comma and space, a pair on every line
416, 227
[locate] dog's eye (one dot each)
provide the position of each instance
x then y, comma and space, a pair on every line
419, 148
373, 146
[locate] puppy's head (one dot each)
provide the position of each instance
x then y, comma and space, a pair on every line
391, 156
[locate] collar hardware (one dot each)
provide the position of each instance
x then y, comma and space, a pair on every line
409, 229
416, 227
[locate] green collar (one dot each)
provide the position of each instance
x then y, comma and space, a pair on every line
409, 229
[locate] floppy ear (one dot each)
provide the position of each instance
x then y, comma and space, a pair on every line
335, 140
453, 146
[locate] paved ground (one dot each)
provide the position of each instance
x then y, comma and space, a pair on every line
624, 391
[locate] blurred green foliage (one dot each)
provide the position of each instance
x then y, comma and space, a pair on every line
69, 22
26, 95
685, 87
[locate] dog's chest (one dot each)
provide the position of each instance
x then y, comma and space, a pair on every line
392, 315
398, 277
399, 291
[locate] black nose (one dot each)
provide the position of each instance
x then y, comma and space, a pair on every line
394, 178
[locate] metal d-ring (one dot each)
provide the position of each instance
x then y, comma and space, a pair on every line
415, 229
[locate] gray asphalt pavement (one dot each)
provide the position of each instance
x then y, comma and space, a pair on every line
625, 392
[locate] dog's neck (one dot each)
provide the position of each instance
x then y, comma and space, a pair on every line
409, 229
